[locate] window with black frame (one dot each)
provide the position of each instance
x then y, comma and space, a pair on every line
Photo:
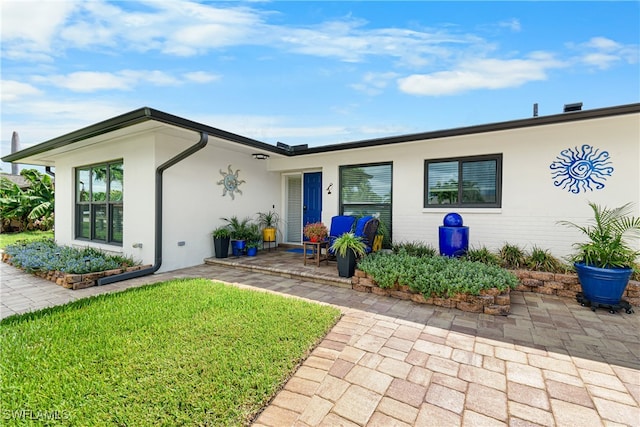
99, 202
463, 182
367, 190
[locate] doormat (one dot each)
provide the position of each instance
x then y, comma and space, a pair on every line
299, 251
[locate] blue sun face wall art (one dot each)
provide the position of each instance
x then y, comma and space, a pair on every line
578, 170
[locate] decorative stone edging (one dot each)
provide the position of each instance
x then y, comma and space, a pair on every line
77, 281
490, 301
565, 285
493, 301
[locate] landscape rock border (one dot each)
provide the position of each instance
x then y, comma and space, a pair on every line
493, 301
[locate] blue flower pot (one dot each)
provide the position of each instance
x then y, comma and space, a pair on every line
603, 285
252, 251
237, 246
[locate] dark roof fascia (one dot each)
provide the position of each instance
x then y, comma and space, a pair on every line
469, 130
132, 118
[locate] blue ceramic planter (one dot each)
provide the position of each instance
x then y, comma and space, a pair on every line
603, 285
237, 246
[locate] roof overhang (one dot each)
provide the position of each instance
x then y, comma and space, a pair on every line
147, 118
140, 120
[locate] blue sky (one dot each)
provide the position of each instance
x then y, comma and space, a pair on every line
311, 72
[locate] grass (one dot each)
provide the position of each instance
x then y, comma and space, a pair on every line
183, 352
11, 238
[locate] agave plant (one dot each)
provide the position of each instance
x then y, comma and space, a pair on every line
607, 247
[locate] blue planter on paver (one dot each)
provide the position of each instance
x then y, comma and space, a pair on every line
603, 285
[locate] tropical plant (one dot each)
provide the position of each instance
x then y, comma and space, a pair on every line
239, 227
269, 219
254, 236
222, 232
346, 242
31, 208
315, 231
606, 246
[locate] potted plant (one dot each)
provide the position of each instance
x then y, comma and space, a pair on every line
239, 232
254, 237
315, 231
269, 223
605, 262
348, 247
221, 239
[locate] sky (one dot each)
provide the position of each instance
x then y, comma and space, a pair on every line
311, 72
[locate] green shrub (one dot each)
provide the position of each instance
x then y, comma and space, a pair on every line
483, 255
437, 275
512, 256
45, 255
542, 260
30, 208
415, 248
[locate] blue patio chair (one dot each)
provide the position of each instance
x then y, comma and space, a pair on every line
340, 224
366, 229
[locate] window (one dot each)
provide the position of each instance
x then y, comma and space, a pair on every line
366, 190
463, 182
99, 207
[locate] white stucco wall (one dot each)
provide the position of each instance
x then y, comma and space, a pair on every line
531, 204
194, 203
135, 150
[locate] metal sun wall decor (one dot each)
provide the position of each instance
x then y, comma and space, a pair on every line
230, 182
581, 169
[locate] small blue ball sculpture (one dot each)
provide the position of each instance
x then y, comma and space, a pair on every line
452, 220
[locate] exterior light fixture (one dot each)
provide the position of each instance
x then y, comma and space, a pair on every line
260, 156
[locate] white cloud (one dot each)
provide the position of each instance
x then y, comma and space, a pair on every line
512, 24
374, 83
201, 77
87, 81
92, 81
184, 28
480, 74
603, 53
349, 41
14, 91
32, 25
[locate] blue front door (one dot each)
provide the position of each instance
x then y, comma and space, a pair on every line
312, 198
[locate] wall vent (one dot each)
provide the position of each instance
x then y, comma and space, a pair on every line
572, 107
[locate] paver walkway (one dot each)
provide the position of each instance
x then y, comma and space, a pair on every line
396, 363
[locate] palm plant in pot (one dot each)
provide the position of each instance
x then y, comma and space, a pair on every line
605, 262
239, 232
269, 222
348, 247
221, 239
254, 238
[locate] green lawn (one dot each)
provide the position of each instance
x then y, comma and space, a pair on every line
10, 238
183, 352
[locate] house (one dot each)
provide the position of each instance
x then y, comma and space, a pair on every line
153, 185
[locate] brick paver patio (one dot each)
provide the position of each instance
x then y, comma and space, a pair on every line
396, 363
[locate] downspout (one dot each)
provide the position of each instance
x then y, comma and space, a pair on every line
204, 138
49, 172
